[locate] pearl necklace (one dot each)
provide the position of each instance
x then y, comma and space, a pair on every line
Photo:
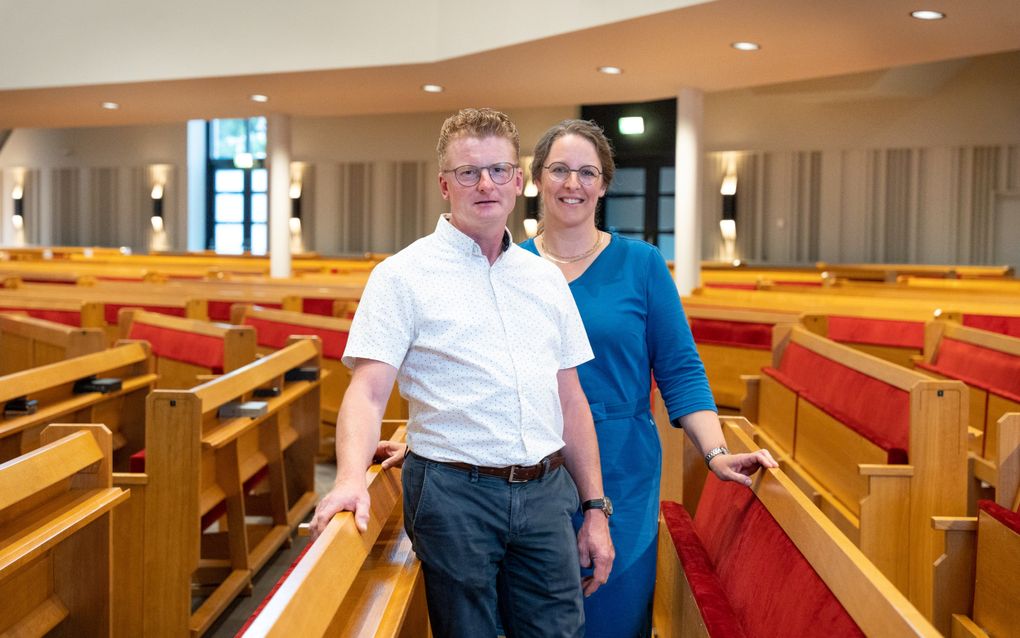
551, 256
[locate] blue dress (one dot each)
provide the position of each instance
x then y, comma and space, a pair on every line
636, 326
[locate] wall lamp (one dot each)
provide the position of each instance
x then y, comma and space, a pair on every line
18, 195
728, 223
157, 206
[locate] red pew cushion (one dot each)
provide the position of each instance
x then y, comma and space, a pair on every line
994, 323
111, 310
771, 587
200, 350
732, 333
988, 369
66, 317
272, 592
219, 309
313, 306
878, 332
1005, 516
883, 419
274, 334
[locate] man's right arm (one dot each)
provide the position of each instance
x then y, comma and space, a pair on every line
357, 434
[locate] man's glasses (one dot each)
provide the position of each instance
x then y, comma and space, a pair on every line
560, 172
468, 175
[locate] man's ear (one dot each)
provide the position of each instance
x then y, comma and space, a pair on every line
444, 187
519, 180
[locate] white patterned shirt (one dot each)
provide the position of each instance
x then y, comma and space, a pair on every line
477, 347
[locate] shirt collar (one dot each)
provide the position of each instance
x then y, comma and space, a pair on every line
461, 242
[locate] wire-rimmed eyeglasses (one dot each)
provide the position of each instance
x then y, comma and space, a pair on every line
560, 172
469, 175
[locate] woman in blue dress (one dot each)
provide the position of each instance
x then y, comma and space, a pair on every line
637, 329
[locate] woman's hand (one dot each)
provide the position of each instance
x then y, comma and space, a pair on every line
740, 467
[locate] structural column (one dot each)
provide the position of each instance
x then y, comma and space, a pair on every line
687, 223
278, 156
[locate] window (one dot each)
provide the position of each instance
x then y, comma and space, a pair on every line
238, 192
639, 204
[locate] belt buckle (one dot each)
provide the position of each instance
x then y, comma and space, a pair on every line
513, 475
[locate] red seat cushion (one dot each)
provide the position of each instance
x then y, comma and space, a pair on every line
994, 323
272, 592
878, 332
984, 368
732, 333
313, 306
66, 317
1005, 516
111, 310
883, 419
771, 587
274, 334
200, 350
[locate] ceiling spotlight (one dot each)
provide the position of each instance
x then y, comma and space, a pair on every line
927, 15
746, 46
110, 106
610, 70
432, 88
258, 97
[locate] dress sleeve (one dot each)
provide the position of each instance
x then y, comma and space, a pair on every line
676, 366
383, 325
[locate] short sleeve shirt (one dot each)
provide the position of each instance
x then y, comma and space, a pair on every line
477, 347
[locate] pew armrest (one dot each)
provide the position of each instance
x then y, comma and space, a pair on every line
749, 404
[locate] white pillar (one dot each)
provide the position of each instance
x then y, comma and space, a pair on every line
687, 222
278, 156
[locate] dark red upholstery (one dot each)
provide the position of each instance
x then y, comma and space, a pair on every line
877, 332
732, 333
66, 317
273, 334
994, 323
883, 418
200, 350
111, 310
219, 309
771, 586
311, 306
991, 370
272, 592
719, 617
1005, 516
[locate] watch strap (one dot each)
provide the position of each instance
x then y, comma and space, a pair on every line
714, 452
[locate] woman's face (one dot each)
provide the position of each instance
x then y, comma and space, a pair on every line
571, 201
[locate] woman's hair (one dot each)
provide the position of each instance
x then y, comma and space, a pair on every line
478, 123
587, 129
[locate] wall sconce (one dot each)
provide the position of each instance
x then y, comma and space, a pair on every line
295, 201
530, 227
157, 206
18, 195
728, 223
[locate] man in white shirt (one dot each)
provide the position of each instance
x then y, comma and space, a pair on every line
484, 339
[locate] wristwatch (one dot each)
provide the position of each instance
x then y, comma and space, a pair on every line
714, 452
603, 504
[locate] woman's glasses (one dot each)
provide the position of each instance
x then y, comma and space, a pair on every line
560, 172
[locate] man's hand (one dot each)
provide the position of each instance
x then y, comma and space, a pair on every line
595, 547
390, 454
740, 467
342, 498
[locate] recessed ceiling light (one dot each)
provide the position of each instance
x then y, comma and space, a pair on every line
258, 97
432, 88
927, 15
110, 106
746, 46
610, 70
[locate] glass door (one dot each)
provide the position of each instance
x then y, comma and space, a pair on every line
238, 194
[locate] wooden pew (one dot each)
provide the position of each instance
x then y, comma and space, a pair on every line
55, 535
203, 465
27, 342
52, 387
273, 328
350, 583
844, 425
989, 364
713, 570
188, 350
79, 314
733, 343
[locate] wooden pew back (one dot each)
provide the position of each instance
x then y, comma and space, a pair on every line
27, 342
55, 535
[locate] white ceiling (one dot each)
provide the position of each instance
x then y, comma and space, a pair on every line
802, 40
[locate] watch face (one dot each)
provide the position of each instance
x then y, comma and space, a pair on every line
607, 506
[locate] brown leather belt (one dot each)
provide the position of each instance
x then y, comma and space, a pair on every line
514, 473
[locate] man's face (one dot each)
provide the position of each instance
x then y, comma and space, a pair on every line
484, 205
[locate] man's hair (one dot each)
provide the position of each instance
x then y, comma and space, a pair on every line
479, 123
587, 129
